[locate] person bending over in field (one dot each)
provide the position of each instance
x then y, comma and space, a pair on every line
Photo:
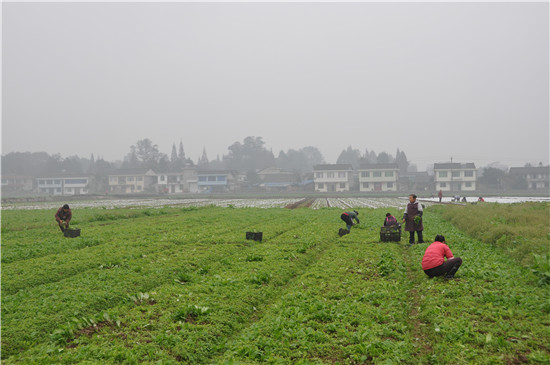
348, 218
63, 217
390, 220
433, 262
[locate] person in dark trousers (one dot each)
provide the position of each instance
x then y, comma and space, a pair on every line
348, 218
433, 262
63, 217
390, 220
440, 195
413, 224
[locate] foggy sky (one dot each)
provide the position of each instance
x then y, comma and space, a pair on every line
467, 80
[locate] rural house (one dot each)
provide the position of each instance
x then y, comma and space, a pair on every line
455, 176
209, 181
275, 178
530, 178
181, 182
13, 183
333, 177
131, 181
378, 177
63, 184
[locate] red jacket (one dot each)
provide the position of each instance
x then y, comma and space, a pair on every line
434, 255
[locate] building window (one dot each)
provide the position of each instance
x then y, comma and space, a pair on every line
442, 185
388, 173
456, 173
320, 186
365, 185
342, 185
468, 184
41, 182
377, 174
211, 178
365, 174
330, 174
76, 181
390, 185
221, 178
57, 182
122, 179
319, 175
442, 173
139, 178
162, 177
130, 179
341, 174
468, 173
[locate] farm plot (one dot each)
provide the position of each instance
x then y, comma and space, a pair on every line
183, 285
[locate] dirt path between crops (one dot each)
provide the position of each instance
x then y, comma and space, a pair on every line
304, 203
423, 346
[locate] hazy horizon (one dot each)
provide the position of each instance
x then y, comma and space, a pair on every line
436, 80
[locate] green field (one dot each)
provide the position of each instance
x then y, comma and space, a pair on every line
183, 285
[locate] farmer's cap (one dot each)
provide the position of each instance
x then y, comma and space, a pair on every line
356, 212
388, 214
66, 206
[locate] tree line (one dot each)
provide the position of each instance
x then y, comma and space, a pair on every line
247, 156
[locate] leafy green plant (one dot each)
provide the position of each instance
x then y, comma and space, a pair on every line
541, 268
191, 313
252, 258
139, 298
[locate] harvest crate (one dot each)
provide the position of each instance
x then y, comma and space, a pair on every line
71, 233
390, 233
256, 236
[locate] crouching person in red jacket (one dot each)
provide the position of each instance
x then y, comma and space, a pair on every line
433, 262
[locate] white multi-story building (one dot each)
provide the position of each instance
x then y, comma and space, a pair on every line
131, 181
63, 185
455, 176
181, 182
378, 177
333, 178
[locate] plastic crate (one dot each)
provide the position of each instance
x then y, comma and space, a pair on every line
342, 232
71, 233
390, 233
256, 236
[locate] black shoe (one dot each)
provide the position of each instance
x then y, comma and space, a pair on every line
420, 241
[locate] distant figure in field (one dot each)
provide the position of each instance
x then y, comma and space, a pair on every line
390, 220
63, 217
433, 262
413, 218
464, 199
348, 218
480, 199
440, 195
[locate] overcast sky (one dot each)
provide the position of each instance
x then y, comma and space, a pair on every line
467, 80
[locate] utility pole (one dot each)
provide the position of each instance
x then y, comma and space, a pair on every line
451, 174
